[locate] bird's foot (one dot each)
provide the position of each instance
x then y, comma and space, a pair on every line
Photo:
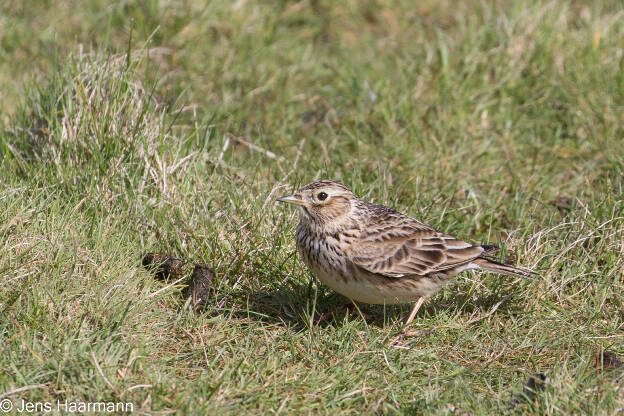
397, 341
405, 337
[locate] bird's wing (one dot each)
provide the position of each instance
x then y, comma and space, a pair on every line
404, 246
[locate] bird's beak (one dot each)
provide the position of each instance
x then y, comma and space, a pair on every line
294, 199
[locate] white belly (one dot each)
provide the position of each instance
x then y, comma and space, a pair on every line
370, 288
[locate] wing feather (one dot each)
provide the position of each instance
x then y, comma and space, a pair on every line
404, 246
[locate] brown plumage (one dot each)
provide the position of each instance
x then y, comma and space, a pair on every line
374, 254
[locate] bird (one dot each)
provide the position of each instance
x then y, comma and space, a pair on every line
374, 254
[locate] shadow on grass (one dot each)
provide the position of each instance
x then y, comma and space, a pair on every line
299, 306
464, 303
292, 308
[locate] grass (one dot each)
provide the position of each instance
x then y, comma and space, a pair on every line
127, 128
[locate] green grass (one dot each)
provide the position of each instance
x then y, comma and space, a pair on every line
125, 131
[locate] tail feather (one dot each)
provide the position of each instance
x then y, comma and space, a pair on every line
487, 249
494, 266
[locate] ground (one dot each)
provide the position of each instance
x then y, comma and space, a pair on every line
171, 127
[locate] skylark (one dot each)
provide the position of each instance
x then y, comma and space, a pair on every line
373, 254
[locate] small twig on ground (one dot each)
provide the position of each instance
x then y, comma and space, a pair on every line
159, 291
226, 144
21, 389
257, 148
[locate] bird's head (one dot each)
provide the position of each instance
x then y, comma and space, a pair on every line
323, 204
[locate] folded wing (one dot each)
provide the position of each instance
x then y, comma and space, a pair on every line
407, 247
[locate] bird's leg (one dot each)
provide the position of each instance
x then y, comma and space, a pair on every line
399, 338
417, 306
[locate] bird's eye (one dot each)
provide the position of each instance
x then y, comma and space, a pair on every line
322, 196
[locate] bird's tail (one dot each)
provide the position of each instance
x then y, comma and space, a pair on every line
489, 265
495, 267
